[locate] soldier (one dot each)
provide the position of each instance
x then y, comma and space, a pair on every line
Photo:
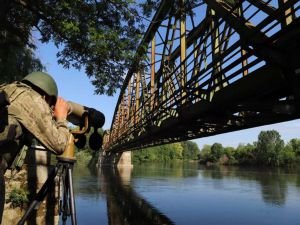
33, 109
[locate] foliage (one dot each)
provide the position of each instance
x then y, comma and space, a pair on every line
287, 155
151, 5
98, 36
177, 151
244, 154
204, 155
216, 152
268, 150
83, 156
268, 147
18, 197
295, 145
190, 150
16, 59
229, 152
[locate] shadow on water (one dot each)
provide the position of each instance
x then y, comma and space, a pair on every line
273, 182
124, 205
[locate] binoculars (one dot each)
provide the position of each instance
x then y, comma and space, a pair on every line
86, 118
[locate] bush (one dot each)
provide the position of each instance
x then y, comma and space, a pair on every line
18, 197
84, 156
287, 156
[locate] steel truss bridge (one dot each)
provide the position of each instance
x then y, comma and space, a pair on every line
209, 67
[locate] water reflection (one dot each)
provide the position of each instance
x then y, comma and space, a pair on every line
168, 169
201, 195
124, 205
273, 182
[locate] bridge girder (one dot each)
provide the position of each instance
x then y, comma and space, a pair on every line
212, 67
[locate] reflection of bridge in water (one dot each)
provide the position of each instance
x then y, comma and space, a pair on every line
124, 205
209, 67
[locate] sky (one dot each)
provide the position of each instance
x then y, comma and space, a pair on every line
74, 85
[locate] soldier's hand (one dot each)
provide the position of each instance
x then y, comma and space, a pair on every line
61, 109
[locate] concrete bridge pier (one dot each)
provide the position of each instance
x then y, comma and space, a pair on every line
119, 160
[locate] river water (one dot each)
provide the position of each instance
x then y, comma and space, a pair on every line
187, 194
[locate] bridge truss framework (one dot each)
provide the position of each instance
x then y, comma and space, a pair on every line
209, 67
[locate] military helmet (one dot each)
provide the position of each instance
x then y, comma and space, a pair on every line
43, 81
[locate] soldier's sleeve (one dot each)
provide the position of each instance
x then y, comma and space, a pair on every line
35, 115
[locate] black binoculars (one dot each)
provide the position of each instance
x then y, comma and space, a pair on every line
83, 116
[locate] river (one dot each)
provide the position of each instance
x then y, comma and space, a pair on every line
187, 194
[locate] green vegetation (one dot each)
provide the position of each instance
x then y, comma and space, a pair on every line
83, 157
83, 31
18, 197
187, 150
100, 37
269, 150
16, 59
86, 158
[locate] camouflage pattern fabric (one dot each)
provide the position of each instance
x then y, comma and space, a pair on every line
31, 110
10, 129
11, 141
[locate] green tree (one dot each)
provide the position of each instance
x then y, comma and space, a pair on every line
204, 155
16, 59
269, 145
216, 151
287, 155
190, 150
229, 152
245, 154
176, 151
295, 144
98, 36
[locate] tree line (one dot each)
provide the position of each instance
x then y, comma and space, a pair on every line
186, 150
268, 150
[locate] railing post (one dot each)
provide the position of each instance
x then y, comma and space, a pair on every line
137, 97
289, 14
183, 48
152, 71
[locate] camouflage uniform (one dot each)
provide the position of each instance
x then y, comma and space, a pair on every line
27, 115
34, 114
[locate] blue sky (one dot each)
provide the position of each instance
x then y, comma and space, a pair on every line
75, 86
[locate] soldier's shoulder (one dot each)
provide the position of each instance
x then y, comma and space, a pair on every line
15, 85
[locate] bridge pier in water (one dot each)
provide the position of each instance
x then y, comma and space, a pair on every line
120, 160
